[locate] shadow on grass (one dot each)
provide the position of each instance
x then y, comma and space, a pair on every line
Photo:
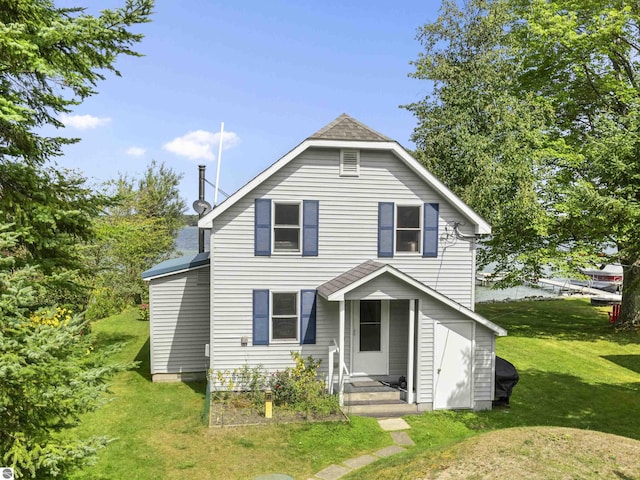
569, 319
108, 339
198, 386
553, 399
144, 360
630, 362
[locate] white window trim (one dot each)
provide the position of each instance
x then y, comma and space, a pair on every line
420, 207
348, 173
284, 340
298, 252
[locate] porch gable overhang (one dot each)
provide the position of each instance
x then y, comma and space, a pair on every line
335, 289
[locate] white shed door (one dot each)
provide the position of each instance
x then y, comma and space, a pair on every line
453, 366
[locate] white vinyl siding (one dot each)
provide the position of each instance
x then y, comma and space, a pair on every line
484, 364
179, 322
398, 337
348, 222
383, 287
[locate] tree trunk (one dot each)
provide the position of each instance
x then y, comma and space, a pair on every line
630, 310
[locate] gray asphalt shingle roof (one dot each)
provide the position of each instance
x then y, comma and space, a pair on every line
349, 277
347, 128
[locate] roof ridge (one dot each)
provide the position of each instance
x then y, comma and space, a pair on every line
346, 127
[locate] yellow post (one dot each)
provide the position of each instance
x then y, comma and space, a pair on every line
268, 403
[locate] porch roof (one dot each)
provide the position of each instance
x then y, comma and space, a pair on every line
336, 289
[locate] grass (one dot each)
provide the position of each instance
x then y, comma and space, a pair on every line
575, 372
158, 430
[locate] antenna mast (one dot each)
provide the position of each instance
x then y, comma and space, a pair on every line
215, 195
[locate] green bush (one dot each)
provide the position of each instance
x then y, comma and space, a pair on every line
301, 388
242, 386
298, 387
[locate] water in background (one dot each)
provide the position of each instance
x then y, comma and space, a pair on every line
187, 244
187, 241
487, 294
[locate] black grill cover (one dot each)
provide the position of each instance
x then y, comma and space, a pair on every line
506, 378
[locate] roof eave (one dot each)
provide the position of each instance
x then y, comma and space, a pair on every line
481, 227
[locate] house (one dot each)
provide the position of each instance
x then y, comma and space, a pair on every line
346, 249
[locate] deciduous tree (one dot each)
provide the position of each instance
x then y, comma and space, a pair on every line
137, 232
534, 121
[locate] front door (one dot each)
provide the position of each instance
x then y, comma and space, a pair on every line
370, 337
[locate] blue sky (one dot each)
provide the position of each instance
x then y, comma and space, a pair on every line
273, 71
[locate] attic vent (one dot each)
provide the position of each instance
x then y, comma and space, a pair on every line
349, 163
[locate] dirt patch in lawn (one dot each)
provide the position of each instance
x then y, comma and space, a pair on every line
540, 453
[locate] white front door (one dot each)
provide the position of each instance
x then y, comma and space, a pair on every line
370, 337
453, 365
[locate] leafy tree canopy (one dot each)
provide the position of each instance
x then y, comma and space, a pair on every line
50, 60
534, 121
137, 232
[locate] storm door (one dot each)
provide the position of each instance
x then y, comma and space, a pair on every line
371, 337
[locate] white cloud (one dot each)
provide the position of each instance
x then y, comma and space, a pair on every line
83, 122
135, 151
199, 144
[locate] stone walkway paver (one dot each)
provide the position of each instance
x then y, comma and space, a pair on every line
332, 472
401, 439
393, 424
360, 462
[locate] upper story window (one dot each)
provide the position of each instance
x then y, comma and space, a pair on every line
408, 228
286, 227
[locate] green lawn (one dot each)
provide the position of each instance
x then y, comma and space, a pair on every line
574, 372
158, 430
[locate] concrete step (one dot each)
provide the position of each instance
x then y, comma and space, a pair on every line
370, 409
386, 396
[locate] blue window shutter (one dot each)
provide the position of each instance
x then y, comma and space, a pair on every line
310, 228
386, 212
307, 317
261, 317
430, 240
262, 239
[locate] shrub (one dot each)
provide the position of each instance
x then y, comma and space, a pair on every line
302, 389
144, 312
244, 385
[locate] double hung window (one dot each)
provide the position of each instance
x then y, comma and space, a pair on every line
284, 316
286, 227
408, 228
